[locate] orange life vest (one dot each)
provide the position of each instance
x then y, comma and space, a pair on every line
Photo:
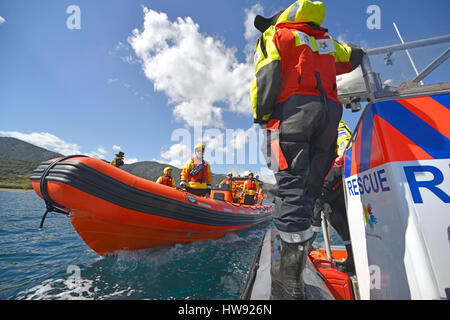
301, 66
167, 181
200, 176
251, 185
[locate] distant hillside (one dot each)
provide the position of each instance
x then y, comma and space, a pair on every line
16, 173
18, 159
13, 148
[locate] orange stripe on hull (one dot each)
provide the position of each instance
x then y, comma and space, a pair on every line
356, 153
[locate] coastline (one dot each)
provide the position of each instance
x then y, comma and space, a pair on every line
15, 190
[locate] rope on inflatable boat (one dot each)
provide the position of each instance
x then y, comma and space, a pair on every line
52, 206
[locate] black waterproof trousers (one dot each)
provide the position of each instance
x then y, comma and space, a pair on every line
299, 148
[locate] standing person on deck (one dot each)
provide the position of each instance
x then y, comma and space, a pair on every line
229, 183
251, 189
118, 160
196, 175
167, 178
294, 97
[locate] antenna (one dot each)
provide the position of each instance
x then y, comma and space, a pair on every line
407, 52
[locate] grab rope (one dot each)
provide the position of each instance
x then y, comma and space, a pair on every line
52, 206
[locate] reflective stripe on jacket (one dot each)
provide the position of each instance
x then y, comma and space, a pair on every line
297, 58
344, 135
251, 187
200, 180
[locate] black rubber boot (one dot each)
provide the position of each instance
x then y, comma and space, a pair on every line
287, 271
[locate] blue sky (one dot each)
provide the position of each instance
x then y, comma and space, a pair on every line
140, 74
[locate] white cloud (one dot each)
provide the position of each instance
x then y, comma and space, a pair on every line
175, 163
342, 38
2, 20
122, 50
102, 150
51, 142
197, 72
130, 160
242, 137
198, 110
125, 85
266, 175
122, 46
177, 151
45, 140
215, 142
95, 155
251, 33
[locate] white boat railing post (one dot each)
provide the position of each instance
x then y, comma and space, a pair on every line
326, 237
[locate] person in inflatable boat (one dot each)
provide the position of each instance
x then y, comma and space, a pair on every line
196, 175
167, 179
251, 189
294, 99
228, 183
118, 160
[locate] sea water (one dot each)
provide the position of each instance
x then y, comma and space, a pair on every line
55, 263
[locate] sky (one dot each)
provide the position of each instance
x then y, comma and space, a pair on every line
153, 78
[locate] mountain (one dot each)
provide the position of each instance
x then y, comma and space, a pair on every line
18, 159
13, 148
16, 173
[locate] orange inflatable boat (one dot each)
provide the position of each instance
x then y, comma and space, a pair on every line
114, 210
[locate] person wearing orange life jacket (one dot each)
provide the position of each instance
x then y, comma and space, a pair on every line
196, 175
294, 99
228, 183
251, 189
167, 178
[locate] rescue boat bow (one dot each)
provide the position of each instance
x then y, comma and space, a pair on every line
114, 210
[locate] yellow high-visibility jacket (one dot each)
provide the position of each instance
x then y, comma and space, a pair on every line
344, 135
296, 56
251, 187
199, 181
